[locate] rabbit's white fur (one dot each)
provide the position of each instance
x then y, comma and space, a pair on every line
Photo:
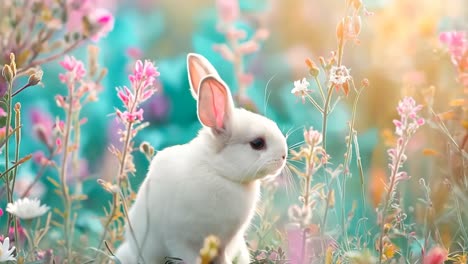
208, 186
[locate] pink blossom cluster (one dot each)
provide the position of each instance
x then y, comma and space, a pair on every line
405, 128
75, 70
314, 138
141, 89
237, 45
457, 44
101, 19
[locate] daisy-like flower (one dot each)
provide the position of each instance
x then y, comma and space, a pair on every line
339, 77
301, 88
6, 251
27, 208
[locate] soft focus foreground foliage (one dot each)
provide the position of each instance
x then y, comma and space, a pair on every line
371, 95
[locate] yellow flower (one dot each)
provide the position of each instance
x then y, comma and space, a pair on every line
389, 250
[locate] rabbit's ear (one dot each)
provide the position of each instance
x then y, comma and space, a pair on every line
215, 104
198, 67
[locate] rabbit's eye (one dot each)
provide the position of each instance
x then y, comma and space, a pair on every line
258, 143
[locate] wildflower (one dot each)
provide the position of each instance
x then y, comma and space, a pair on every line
456, 42
142, 80
301, 88
301, 215
144, 74
108, 186
389, 250
27, 208
405, 128
2, 112
436, 255
312, 137
6, 251
42, 124
228, 10
75, 70
210, 250
1, 212
339, 77
103, 20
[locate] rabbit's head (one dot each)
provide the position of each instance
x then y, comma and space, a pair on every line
243, 146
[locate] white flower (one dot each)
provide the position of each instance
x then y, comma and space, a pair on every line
339, 75
301, 88
5, 251
27, 208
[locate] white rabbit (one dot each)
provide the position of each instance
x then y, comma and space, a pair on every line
209, 186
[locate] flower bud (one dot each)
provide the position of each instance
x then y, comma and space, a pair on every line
35, 78
365, 82
357, 4
147, 149
313, 69
340, 30
13, 63
357, 23
7, 73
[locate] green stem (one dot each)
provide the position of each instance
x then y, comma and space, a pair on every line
320, 88
324, 144
324, 140
63, 179
347, 162
388, 198
7, 161
306, 204
18, 142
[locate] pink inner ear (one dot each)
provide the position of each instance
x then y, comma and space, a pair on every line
197, 72
219, 106
212, 103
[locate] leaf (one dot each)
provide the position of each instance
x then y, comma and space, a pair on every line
54, 182
57, 211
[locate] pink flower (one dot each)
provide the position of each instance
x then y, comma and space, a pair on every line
2, 112
21, 234
142, 88
103, 20
75, 69
457, 44
1, 212
228, 10
76, 11
405, 128
23, 182
42, 125
134, 53
40, 158
436, 255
